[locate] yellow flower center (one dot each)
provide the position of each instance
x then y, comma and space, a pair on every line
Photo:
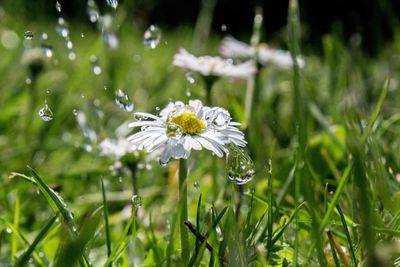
189, 123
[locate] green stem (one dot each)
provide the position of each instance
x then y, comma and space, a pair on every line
184, 209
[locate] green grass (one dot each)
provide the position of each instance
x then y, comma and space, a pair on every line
324, 140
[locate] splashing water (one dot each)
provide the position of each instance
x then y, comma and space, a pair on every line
239, 165
28, 35
58, 6
112, 3
45, 112
123, 101
152, 37
137, 201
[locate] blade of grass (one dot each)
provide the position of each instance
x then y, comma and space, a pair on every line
24, 258
14, 244
106, 224
346, 231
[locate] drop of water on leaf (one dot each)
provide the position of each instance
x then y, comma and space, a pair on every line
58, 6
112, 3
28, 35
218, 231
122, 100
152, 37
239, 165
137, 201
45, 113
47, 50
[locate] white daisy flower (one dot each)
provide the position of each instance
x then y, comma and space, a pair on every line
214, 66
232, 48
179, 128
116, 148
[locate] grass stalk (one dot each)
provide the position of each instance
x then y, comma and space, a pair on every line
184, 209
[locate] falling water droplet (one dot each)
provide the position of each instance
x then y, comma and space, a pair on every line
94, 65
28, 35
75, 111
44, 36
58, 6
223, 27
239, 165
92, 11
28, 81
68, 43
112, 3
62, 28
122, 100
72, 55
47, 50
152, 37
82, 35
137, 201
8, 230
110, 39
196, 186
189, 77
45, 113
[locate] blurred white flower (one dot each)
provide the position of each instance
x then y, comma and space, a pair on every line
180, 128
116, 148
232, 48
216, 66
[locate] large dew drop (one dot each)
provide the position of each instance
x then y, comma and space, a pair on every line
152, 37
112, 3
122, 100
239, 165
45, 113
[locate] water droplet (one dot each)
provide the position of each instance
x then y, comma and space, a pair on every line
47, 91
218, 118
71, 55
218, 231
58, 6
47, 50
44, 36
120, 179
62, 28
68, 43
174, 130
122, 100
8, 230
94, 65
152, 37
188, 93
110, 39
92, 11
45, 113
28, 81
189, 77
158, 108
239, 165
196, 186
28, 35
87, 147
82, 35
75, 111
223, 27
137, 201
112, 3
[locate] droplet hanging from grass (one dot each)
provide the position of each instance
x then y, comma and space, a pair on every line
152, 37
45, 113
123, 101
28, 35
239, 165
137, 201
